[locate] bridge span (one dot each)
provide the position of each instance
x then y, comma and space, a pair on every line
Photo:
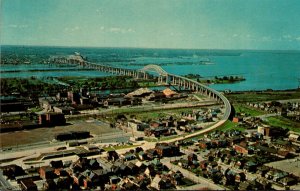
163, 78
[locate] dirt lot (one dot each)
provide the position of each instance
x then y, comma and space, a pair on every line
289, 165
95, 127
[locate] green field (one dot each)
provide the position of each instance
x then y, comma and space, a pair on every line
262, 96
112, 148
285, 123
240, 108
230, 125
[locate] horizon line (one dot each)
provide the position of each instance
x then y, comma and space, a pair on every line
131, 47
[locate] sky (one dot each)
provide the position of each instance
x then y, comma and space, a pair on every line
193, 24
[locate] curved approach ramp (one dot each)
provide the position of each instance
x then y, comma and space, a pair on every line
163, 78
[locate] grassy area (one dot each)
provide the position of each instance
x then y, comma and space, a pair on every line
35, 109
112, 148
262, 96
229, 125
145, 113
240, 108
150, 115
150, 139
282, 122
165, 138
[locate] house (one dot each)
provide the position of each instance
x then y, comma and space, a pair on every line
156, 96
242, 148
294, 137
270, 174
49, 184
184, 163
114, 179
279, 175
46, 172
204, 145
63, 96
166, 183
137, 125
133, 168
288, 181
84, 100
235, 120
112, 155
167, 150
287, 145
151, 154
101, 177
72, 135
169, 93
250, 166
12, 171
74, 97
230, 177
52, 119
123, 169
141, 166
63, 183
67, 110
142, 155
203, 164
240, 177
57, 164
128, 156
93, 164
28, 185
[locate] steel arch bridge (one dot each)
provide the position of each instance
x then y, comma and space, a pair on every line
164, 77
155, 68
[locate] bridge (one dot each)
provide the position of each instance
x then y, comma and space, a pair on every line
163, 78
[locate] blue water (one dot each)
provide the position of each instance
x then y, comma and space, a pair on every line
276, 70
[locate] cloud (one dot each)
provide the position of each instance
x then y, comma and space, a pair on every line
298, 38
115, 29
17, 26
175, 34
287, 36
12, 26
121, 30
72, 29
98, 11
235, 35
266, 38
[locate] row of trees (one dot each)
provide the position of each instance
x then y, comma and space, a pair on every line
230, 78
